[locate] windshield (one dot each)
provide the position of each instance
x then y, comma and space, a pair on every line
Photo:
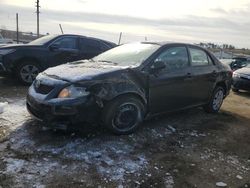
128, 54
42, 40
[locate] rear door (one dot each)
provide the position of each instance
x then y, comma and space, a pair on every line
204, 73
170, 88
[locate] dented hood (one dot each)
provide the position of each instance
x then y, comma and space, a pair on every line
79, 71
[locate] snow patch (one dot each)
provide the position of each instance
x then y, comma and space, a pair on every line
111, 159
169, 182
2, 106
16, 110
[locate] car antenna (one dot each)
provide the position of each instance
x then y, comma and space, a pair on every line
120, 37
61, 28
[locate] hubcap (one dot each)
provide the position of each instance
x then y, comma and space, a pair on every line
218, 99
28, 73
126, 117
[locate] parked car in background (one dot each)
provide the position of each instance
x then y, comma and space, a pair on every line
241, 79
236, 63
131, 82
26, 61
239, 62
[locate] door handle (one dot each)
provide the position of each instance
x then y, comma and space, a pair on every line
188, 77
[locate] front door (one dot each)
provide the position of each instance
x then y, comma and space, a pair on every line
64, 50
169, 88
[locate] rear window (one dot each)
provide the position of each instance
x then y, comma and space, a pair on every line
90, 45
66, 43
199, 57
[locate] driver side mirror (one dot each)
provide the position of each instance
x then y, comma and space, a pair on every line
54, 47
157, 65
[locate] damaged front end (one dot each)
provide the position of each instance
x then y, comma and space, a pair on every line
64, 103
47, 102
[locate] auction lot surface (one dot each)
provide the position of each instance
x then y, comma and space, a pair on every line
185, 149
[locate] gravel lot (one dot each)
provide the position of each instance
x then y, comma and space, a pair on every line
185, 149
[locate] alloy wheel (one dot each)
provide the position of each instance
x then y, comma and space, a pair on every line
28, 73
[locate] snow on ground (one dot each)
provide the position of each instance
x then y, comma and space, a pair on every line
14, 112
112, 159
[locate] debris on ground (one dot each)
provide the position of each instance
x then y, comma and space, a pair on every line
221, 184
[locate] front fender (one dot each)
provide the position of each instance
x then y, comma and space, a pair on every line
113, 88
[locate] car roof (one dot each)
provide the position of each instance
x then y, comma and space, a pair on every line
172, 43
83, 36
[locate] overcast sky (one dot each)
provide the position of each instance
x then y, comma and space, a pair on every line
218, 21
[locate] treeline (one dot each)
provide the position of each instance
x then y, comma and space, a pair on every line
217, 46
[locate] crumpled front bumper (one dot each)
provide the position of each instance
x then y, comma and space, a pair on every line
65, 111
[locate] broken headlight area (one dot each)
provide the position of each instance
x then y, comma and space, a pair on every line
73, 92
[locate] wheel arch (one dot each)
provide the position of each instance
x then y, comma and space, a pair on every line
131, 94
23, 59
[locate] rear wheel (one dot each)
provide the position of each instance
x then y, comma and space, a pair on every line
124, 114
27, 72
216, 101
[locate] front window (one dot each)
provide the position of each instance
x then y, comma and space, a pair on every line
174, 58
128, 54
66, 43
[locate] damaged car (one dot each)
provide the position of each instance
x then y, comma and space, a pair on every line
129, 83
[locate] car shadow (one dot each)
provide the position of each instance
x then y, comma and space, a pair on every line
11, 88
9, 81
188, 120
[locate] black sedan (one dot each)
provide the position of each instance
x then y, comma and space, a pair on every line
129, 83
241, 79
26, 61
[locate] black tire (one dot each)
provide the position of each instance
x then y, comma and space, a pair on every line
27, 71
123, 115
235, 90
216, 100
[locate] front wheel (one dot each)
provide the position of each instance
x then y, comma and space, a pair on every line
124, 114
216, 101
